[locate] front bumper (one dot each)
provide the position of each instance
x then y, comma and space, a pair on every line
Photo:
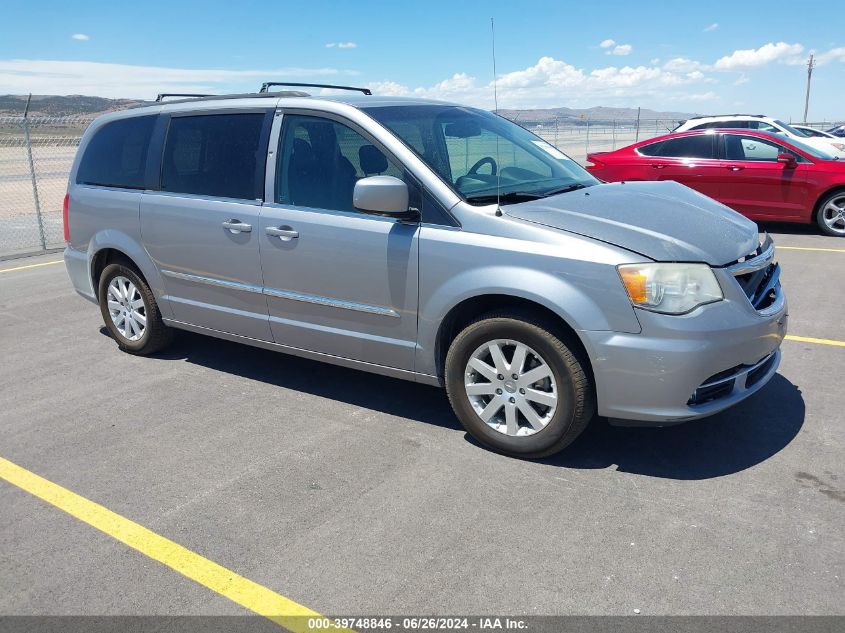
685, 367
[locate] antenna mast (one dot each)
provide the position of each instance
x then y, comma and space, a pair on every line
810, 65
496, 106
493, 41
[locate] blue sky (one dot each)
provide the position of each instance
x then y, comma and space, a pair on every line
684, 56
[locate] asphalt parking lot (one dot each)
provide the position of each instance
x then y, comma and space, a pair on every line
350, 493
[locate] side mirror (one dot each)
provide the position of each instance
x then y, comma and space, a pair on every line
787, 159
381, 194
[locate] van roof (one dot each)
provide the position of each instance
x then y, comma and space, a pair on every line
355, 100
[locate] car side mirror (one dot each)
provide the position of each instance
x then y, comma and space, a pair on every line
787, 159
382, 194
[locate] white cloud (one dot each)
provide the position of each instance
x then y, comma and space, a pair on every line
81, 37
682, 64
341, 45
712, 27
755, 57
21, 76
621, 49
607, 43
553, 82
742, 79
833, 55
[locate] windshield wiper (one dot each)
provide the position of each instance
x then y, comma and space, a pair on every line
573, 187
507, 198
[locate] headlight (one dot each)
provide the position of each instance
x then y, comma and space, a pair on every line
839, 146
670, 288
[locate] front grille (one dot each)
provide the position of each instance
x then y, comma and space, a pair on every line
758, 275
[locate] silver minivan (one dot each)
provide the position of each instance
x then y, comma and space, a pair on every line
427, 241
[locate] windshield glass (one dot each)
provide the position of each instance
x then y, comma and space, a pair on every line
792, 130
815, 152
476, 151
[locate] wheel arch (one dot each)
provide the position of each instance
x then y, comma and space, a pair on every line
814, 218
469, 309
110, 246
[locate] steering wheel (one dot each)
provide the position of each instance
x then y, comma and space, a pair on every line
479, 164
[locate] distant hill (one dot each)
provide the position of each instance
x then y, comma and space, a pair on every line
54, 105
598, 114
79, 104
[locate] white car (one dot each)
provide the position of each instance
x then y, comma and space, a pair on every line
812, 132
833, 146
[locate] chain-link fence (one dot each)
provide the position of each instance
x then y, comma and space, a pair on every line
36, 154
35, 157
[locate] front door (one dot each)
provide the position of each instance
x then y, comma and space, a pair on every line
757, 185
337, 281
201, 229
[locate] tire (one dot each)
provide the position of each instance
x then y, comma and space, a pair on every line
152, 335
509, 431
827, 210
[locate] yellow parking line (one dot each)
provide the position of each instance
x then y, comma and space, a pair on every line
819, 341
236, 588
807, 248
9, 270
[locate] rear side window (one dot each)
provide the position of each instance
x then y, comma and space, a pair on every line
651, 150
215, 155
701, 146
117, 155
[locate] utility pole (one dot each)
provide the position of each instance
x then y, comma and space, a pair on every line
810, 65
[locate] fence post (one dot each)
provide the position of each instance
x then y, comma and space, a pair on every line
614, 134
637, 138
587, 148
28, 143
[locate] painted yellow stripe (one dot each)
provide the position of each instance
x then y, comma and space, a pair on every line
807, 248
819, 341
10, 270
236, 588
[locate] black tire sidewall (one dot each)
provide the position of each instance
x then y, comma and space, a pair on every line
119, 270
543, 343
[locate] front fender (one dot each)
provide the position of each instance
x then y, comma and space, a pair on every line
589, 297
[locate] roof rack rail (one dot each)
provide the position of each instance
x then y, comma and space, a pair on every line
269, 84
163, 95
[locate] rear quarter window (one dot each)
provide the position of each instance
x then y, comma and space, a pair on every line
215, 155
117, 154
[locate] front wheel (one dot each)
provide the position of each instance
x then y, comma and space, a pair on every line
517, 387
130, 311
831, 215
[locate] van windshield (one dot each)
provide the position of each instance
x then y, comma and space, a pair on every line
481, 154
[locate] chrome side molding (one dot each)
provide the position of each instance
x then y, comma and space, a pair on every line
283, 294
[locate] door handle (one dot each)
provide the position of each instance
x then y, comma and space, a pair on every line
236, 226
284, 233
658, 166
735, 167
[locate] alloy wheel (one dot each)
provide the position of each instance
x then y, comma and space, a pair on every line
511, 387
833, 215
126, 308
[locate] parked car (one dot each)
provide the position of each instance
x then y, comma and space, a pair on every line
763, 124
425, 241
763, 176
837, 130
811, 132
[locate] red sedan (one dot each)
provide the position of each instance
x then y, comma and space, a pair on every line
761, 175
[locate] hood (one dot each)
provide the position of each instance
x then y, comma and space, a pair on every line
664, 221
825, 145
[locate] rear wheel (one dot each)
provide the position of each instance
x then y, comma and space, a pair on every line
831, 215
130, 311
517, 387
